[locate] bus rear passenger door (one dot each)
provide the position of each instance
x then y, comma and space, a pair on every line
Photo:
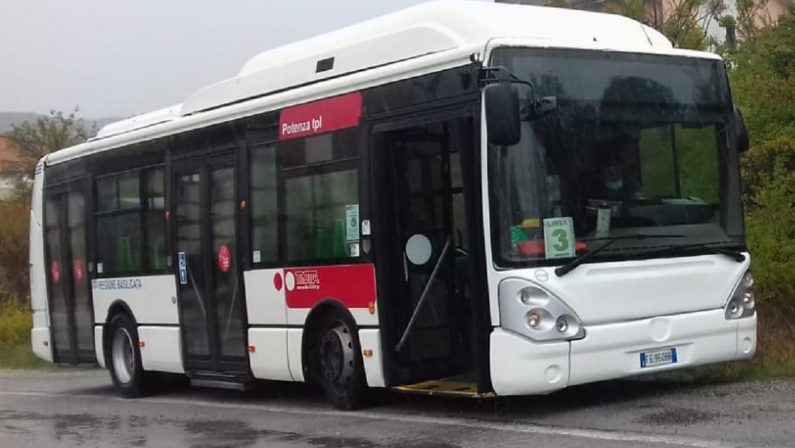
70, 306
208, 273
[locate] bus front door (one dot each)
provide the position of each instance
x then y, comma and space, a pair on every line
208, 275
70, 307
422, 248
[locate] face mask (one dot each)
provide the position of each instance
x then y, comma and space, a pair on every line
615, 186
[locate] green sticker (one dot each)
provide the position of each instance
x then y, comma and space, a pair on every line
559, 237
352, 222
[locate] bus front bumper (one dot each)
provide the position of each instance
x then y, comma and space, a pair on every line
520, 366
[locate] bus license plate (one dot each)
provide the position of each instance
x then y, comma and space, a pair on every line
658, 358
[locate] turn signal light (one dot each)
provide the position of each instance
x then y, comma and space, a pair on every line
251, 349
367, 353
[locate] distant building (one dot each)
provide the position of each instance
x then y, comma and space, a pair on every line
8, 157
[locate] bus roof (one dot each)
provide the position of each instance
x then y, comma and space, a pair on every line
425, 37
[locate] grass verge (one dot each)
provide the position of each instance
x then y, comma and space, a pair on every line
20, 356
15, 325
775, 354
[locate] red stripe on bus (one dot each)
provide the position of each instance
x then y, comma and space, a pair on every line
353, 285
326, 115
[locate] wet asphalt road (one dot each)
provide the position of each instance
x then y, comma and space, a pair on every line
69, 408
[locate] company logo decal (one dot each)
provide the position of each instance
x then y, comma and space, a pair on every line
224, 257
55, 272
77, 269
303, 280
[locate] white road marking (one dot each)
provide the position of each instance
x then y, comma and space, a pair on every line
525, 428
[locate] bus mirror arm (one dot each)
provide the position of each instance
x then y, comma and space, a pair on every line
503, 112
424, 295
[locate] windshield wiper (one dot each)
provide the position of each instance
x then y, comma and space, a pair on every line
570, 266
733, 254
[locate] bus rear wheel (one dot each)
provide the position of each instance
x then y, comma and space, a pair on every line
124, 358
341, 370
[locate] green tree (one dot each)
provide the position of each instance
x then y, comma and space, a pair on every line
35, 139
634, 9
686, 22
752, 18
763, 84
763, 81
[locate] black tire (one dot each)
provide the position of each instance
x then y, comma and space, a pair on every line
124, 358
340, 367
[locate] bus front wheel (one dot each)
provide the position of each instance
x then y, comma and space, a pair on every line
341, 370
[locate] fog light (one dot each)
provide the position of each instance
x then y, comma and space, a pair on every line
734, 309
748, 280
533, 319
748, 300
562, 325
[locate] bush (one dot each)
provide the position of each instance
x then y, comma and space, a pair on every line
14, 224
763, 85
770, 222
15, 322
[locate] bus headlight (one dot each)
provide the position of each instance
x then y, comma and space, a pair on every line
742, 302
536, 313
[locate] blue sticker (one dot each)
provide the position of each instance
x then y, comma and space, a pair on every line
183, 268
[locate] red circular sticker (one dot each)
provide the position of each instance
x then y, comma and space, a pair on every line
55, 272
224, 258
277, 281
77, 269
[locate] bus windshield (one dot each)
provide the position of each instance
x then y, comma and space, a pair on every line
637, 144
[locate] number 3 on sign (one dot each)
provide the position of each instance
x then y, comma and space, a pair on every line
559, 237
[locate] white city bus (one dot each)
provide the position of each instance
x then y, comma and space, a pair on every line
461, 197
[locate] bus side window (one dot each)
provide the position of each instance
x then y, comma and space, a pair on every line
155, 203
264, 211
123, 201
119, 233
321, 194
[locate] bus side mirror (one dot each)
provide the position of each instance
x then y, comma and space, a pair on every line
502, 113
740, 132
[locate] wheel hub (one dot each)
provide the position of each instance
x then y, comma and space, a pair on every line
123, 355
336, 355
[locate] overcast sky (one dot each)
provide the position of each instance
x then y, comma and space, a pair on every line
123, 57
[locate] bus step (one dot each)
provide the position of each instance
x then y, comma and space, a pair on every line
444, 388
220, 380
